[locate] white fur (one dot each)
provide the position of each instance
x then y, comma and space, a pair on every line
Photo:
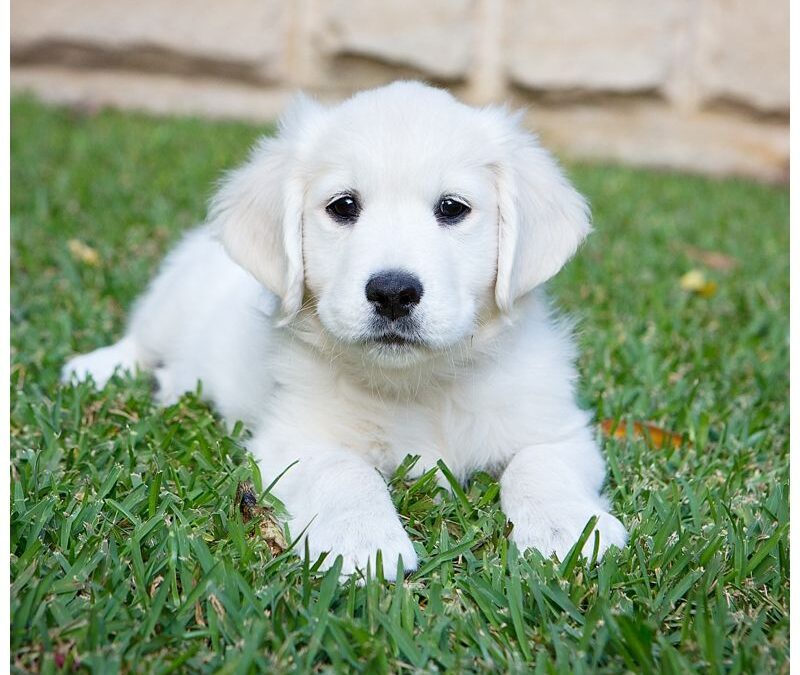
275, 322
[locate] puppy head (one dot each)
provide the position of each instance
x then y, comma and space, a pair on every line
405, 215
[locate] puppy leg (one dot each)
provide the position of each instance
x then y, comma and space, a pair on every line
102, 363
164, 314
549, 492
344, 507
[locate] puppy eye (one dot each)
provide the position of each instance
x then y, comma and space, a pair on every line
344, 209
450, 211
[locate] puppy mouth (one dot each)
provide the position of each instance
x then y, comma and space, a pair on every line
395, 340
396, 335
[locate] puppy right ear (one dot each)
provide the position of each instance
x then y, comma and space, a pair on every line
257, 211
542, 219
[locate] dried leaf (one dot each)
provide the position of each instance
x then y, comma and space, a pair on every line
83, 253
678, 375
155, 584
713, 259
198, 614
272, 533
695, 281
246, 500
270, 528
658, 437
217, 605
62, 652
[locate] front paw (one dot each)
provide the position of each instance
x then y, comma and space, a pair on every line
357, 537
101, 364
556, 528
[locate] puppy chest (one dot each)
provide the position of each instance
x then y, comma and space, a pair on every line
457, 428
384, 439
465, 441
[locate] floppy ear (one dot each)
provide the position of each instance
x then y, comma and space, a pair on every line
542, 218
257, 211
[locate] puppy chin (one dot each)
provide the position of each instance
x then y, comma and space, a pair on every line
393, 346
395, 355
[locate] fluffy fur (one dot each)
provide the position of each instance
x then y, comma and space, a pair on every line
266, 305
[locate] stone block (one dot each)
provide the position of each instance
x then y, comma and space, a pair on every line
611, 45
251, 32
432, 37
743, 52
652, 133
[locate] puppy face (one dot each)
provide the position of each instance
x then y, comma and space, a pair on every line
404, 215
400, 228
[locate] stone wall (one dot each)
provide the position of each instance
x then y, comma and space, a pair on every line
691, 84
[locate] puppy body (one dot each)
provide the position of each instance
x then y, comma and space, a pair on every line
265, 305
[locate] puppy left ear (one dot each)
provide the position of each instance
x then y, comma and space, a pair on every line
542, 218
257, 212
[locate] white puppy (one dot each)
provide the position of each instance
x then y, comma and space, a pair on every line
365, 289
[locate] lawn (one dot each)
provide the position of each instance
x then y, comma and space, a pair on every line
128, 550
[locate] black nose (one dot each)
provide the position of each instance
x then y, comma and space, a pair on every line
393, 293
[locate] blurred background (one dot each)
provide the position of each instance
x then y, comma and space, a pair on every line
698, 85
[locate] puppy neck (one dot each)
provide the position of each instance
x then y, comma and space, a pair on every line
421, 374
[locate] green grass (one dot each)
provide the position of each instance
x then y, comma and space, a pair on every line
127, 551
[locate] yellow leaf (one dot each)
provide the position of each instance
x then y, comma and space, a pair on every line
708, 289
695, 281
83, 253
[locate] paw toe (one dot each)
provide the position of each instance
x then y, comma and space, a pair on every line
556, 533
359, 547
